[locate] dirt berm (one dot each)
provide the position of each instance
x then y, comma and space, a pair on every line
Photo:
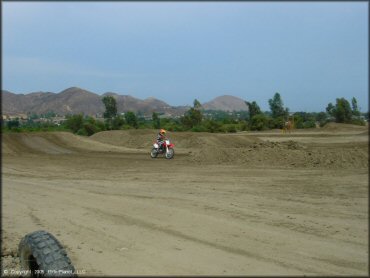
242, 148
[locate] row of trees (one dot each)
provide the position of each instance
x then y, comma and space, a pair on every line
343, 112
198, 119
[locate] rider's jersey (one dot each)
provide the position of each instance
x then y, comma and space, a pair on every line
160, 137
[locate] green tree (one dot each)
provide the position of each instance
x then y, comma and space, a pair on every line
156, 120
253, 108
321, 117
213, 126
196, 104
330, 109
355, 110
110, 107
342, 111
49, 114
74, 122
13, 124
192, 117
118, 122
277, 107
131, 119
110, 110
259, 122
89, 129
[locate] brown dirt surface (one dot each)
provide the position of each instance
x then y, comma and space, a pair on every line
338, 127
250, 203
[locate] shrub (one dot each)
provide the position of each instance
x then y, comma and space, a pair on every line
13, 124
230, 128
358, 122
118, 122
309, 124
276, 122
131, 119
74, 122
82, 132
212, 126
90, 129
259, 122
243, 126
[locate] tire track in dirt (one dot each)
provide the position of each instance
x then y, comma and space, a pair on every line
129, 220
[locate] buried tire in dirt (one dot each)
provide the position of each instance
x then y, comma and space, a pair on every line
42, 254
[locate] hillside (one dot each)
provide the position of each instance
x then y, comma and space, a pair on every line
76, 100
226, 103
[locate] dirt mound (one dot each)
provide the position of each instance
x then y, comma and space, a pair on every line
339, 127
201, 148
17, 143
288, 154
53, 143
241, 148
140, 138
182, 140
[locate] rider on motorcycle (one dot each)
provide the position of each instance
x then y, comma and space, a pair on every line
161, 137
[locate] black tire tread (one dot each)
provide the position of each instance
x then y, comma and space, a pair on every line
49, 254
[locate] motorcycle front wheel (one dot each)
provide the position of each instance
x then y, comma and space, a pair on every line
170, 153
154, 153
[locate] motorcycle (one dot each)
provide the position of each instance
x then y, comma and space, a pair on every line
166, 149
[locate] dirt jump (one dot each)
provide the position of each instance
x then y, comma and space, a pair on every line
248, 203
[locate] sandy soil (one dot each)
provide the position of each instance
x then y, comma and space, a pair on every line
228, 204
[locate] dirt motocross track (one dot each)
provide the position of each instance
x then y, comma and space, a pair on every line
252, 203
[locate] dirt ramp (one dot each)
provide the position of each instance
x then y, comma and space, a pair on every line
126, 138
17, 143
40, 144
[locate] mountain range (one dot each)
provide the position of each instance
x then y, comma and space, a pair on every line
76, 100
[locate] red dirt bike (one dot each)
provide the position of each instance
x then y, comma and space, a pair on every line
166, 149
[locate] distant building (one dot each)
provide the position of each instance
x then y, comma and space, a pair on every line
8, 117
58, 120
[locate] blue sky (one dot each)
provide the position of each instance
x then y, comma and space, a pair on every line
311, 53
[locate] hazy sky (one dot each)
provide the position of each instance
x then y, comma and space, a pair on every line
311, 53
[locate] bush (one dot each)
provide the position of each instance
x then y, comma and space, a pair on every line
90, 129
243, 126
74, 122
259, 122
309, 124
212, 126
358, 122
118, 122
131, 119
230, 128
82, 132
13, 124
276, 122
